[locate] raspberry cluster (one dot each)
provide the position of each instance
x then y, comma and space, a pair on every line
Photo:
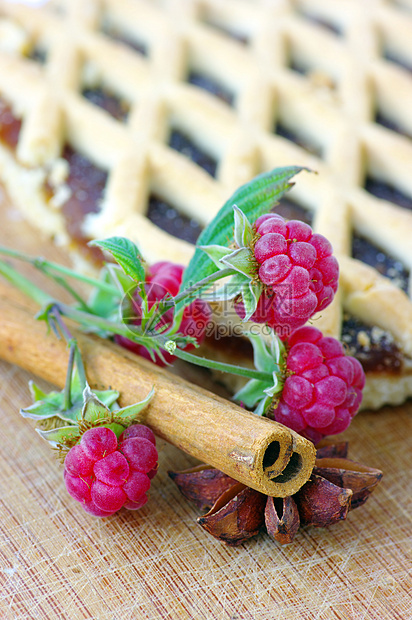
105, 473
298, 271
165, 278
323, 388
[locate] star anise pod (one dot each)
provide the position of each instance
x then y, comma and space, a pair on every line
237, 512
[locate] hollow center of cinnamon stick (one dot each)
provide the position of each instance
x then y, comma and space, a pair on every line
270, 458
291, 470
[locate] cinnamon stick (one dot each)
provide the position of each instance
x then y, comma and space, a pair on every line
256, 451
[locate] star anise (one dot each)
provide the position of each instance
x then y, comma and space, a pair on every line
237, 512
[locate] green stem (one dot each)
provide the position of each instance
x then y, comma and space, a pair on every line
80, 366
214, 277
91, 320
121, 330
54, 314
241, 371
25, 285
47, 267
62, 282
72, 342
165, 305
31, 290
88, 320
68, 383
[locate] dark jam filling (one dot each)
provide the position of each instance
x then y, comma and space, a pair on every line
398, 61
181, 143
87, 183
237, 36
38, 55
211, 86
385, 122
368, 253
122, 37
292, 211
294, 65
381, 119
102, 98
169, 219
319, 78
327, 25
281, 130
373, 347
9, 126
388, 192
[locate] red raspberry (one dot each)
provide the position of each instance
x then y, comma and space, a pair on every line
105, 473
298, 271
163, 278
323, 389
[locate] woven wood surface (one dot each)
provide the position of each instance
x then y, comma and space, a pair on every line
57, 562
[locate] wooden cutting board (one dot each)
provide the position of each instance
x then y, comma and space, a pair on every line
57, 562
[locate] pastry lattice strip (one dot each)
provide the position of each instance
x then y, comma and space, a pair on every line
329, 102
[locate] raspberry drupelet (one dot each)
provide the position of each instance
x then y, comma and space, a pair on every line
323, 388
297, 270
165, 278
104, 473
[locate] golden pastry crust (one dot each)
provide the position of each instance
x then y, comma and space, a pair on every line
322, 85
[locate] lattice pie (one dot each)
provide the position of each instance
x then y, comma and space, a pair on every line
140, 117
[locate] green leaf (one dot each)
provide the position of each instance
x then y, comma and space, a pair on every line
216, 253
52, 405
93, 408
103, 302
268, 357
251, 393
44, 313
242, 260
243, 232
275, 388
254, 198
76, 385
43, 409
107, 397
277, 349
182, 342
116, 428
126, 254
36, 392
262, 356
109, 300
131, 412
263, 406
249, 301
229, 290
250, 296
60, 435
120, 279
